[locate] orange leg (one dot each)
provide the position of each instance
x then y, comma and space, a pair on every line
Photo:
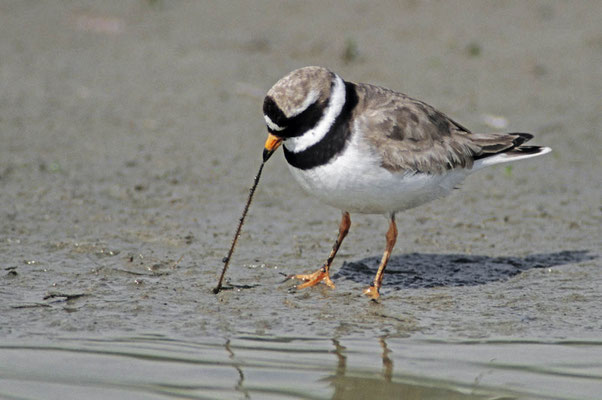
323, 274
391, 236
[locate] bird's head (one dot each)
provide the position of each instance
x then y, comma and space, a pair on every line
295, 104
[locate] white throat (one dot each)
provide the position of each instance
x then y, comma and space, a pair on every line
331, 112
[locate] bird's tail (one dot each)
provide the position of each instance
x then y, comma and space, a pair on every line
502, 148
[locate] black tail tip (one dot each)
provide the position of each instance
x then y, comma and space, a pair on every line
528, 150
521, 138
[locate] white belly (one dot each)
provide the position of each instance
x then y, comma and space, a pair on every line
355, 182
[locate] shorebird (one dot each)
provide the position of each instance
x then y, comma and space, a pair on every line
367, 149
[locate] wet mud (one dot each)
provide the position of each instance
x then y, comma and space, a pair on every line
122, 181
130, 133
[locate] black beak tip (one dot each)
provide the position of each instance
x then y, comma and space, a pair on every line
267, 154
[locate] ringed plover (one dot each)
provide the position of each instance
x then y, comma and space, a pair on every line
367, 149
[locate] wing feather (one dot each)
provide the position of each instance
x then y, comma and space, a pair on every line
410, 135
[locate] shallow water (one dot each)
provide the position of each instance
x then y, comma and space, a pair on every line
130, 132
155, 366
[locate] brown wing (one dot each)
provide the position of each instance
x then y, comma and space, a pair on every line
412, 136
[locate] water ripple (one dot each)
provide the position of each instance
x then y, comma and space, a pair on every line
245, 367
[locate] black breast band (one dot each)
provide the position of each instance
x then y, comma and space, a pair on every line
335, 140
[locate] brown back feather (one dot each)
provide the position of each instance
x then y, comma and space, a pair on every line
410, 135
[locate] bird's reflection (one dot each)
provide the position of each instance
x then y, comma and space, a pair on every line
355, 383
387, 362
339, 351
353, 379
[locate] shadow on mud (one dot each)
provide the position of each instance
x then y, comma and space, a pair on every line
421, 270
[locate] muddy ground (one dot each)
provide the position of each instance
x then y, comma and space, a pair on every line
130, 132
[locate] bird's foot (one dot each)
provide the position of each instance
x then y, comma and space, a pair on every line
320, 275
372, 292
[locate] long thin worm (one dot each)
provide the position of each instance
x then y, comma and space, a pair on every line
226, 259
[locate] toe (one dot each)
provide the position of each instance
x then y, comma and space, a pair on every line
313, 279
328, 282
372, 292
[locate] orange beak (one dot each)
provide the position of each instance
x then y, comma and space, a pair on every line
271, 144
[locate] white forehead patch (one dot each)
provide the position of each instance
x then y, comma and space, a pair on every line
271, 124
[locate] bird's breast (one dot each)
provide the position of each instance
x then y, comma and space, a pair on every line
355, 181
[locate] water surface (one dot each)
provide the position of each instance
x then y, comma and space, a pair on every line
153, 366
